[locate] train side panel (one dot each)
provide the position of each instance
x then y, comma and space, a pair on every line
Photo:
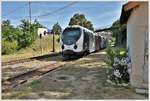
86, 41
97, 42
92, 43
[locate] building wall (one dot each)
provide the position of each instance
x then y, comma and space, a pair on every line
41, 31
137, 32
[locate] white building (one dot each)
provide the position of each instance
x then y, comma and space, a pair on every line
42, 31
135, 15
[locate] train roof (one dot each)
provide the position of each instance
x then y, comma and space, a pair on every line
77, 26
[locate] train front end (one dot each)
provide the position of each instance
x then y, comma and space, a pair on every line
72, 42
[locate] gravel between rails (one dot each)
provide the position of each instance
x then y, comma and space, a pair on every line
28, 76
18, 72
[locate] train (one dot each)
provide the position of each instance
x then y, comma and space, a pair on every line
77, 41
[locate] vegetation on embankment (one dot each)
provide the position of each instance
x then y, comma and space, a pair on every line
16, 38
23, 36
38, 47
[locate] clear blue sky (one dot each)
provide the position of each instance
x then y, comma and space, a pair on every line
100, 13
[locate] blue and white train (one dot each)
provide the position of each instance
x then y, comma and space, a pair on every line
77, 41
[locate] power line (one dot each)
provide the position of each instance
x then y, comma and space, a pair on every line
14, 10
30, 16
46, 14
56, 11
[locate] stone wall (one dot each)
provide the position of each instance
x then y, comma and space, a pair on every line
137, 31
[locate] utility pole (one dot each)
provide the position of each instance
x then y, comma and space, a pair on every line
30, 12
53, 41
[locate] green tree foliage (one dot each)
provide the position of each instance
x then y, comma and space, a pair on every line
29, 32
15, 38
57, 29
8, 32
9, 37
119, 33
80, 19
116, 31
28, 36
37, 24
5, 23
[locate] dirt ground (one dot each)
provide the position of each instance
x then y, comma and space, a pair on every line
84, 78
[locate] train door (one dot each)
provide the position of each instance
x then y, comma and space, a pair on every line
92, 42
96, 42
102, 43
99, 42
86, 42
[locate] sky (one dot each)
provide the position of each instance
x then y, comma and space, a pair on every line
101, 14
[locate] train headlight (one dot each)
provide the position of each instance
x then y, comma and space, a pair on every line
75, 47
62, 46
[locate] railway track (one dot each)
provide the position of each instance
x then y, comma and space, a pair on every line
11, 81
29, 59
34, 73
17, 80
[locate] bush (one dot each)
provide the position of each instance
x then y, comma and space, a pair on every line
110, 56
9, 47
26, 39
119, 61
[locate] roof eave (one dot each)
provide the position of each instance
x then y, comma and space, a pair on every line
126, 11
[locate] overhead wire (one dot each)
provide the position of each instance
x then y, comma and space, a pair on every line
14, 10
42, 15
56, 11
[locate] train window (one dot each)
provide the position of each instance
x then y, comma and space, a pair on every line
71, 35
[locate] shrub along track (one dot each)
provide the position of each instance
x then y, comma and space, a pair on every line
13, 81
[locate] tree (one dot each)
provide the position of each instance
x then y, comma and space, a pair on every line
5, 23
25, 25
119, 33
15, 38
9, 32
116, 31
29, 33
37, 24
56, 29
80, 19
9, 37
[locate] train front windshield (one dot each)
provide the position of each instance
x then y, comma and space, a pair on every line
71, 35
